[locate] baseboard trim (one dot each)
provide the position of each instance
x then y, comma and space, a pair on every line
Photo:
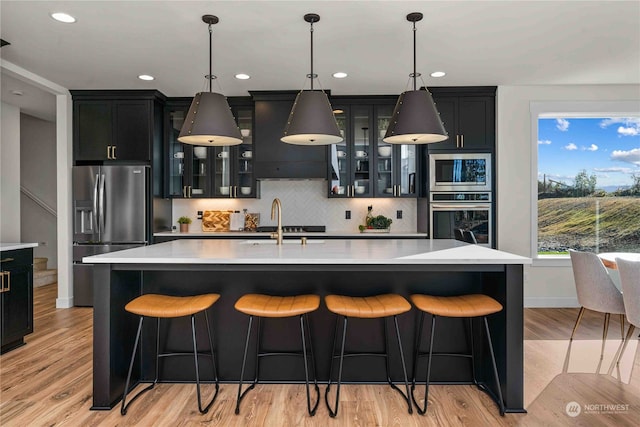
551, 302
64, 302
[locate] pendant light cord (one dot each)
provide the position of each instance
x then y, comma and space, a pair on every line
415, 75
311, 75
210, 58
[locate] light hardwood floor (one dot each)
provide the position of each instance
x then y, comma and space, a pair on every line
48, 383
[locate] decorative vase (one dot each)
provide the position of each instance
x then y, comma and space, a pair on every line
184, 228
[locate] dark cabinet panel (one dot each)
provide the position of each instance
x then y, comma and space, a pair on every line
274, 158
133, 130
16, 297
468, 115
93, 129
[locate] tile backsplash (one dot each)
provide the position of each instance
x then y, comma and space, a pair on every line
305, 203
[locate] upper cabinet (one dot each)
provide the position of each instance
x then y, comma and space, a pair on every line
116, 125
363, 165
208, 172
468, 115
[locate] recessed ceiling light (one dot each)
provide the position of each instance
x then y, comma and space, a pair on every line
63, 17
146, 77
438, 74
242, 76
338, 111
340, 75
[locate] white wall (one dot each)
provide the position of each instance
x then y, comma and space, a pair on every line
38, 175
10, 174
545, 285
306, 203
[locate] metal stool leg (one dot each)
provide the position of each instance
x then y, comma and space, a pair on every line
426, 385
312, 411
125, 406
333, 413
195, 358
417, 343
500, 401
404, 367
244, 361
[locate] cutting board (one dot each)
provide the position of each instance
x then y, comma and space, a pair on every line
216, 220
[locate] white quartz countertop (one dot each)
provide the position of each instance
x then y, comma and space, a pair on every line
13, 246
313, 235
331, 252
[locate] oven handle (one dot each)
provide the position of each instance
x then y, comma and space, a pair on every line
460, 205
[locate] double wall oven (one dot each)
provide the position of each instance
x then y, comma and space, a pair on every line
460, 200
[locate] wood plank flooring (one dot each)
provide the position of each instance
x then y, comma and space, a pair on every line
48, 383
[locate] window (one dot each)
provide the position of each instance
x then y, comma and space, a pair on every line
588, 182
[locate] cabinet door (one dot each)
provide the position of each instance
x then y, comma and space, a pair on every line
447, 107
132, 127
17, 305
386, 155
244, 182
407, 169
476, 122
362, 153
340, 157
223, 183
93, 129
176, 180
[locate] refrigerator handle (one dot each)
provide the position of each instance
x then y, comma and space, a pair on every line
95, 203
101, 204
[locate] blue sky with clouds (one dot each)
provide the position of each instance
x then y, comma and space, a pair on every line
606, 147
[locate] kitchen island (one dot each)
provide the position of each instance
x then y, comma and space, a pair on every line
233, 268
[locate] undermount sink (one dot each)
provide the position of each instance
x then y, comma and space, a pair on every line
284, 242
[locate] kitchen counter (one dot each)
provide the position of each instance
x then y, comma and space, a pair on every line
331, 252
356, 267
310, 235
14, 246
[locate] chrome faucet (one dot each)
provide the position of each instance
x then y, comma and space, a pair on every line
278, 233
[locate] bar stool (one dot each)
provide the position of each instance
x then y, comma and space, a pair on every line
169, 307
463, 306
279, 307
373, 307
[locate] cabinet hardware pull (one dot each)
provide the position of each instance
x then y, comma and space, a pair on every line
235, 191
353, 191
6, 260
113, 152
462, 141
109, 152
184, 191
190, 193
457, 141
8, 287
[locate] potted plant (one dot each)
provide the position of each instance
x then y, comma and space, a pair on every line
375, 224
184, 222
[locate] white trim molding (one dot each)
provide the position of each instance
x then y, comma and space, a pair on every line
551, 302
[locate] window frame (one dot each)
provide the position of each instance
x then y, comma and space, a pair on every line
564, 109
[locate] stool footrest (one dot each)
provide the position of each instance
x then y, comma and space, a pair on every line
426, 354
282, 353
185, 354
374, 354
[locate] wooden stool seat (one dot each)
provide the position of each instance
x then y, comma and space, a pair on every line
277, 306
165, 306
474, 305
367, 307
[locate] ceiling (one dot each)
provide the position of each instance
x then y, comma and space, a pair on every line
474, 42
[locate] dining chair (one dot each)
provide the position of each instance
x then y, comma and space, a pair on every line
596, 290
469, 237
630, 281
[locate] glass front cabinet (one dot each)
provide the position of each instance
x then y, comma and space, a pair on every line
209, 172
365, 166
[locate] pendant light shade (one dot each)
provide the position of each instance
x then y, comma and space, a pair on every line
311, 121
415, 119
209, 120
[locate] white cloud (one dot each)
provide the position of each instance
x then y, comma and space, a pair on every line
631, 156
615, 170
571, 146
545, 142
631, 125
593, 147
628, 131
562, 124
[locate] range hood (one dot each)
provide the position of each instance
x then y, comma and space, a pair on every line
274, 158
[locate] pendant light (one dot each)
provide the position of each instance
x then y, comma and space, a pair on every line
209, 120
415, 119
311, 121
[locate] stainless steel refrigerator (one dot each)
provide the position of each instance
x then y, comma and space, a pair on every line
111, 211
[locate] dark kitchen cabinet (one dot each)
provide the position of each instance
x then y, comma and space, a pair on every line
363, 165
209, 172
119, 126
468, 115
16, 297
